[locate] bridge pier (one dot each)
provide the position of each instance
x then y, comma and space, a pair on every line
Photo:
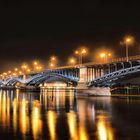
87, 74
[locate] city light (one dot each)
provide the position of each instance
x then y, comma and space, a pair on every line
35, 63
83, 51
38, 67
102, 55
16, 69
128, 40
53, 58
72, 61
76, 52
24, 66
20, 72
52, 65
105, 56
80, 53
14, 74
9, 72
28, 70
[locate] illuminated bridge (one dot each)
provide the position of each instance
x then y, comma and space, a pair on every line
87, 75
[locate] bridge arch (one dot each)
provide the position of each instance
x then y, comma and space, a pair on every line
115, 77
50, 77
12, 81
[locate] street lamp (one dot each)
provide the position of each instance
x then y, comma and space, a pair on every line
35, 63
105, 56
80, 52
53, 61
24, 67
53, 58
72, 61
16, 69
52, 65
28, 70
128, 40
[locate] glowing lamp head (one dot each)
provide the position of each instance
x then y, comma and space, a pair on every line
20, 72
109, 54
24, 66
72, 61
35, 63
9, 71
5, 73
16, 69
83, 51
14, 74
129, 40
53, 58
102, 55
28, 70
76, 52
37, 68
51, 65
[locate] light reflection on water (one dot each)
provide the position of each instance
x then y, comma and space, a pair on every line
59, 115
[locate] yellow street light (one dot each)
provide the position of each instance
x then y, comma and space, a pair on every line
83, 51
28, 70
4, 73
40, 67
52, 65
80, 52
128, 40
20, 72
35, 63
24, 66
76, 52
109, 54
16, 69
105, 56
72, 61
102, 55
53, 58
9, 72
14, 74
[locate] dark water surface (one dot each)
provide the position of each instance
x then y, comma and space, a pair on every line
58, 115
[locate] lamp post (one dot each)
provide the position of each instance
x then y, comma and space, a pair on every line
105, 56
24, 67
80, 52
128, 40
72, 61
53, 61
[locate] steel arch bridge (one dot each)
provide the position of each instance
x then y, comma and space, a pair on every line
48, 77
41, 78
12, 81
112, 78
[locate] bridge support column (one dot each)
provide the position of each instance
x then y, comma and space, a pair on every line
86, 75
83, 77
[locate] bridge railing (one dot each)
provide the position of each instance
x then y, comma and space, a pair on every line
122, 59
113, 60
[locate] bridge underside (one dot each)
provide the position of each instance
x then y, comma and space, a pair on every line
130, 79
51, 79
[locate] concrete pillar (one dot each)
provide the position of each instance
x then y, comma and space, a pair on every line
83, 77
83, 74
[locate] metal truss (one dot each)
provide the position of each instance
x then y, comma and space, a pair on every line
109, 78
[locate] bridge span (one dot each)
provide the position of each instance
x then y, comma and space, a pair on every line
84, 76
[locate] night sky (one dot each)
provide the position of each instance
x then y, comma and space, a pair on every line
37, 29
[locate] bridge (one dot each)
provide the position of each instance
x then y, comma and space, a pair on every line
87, 75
